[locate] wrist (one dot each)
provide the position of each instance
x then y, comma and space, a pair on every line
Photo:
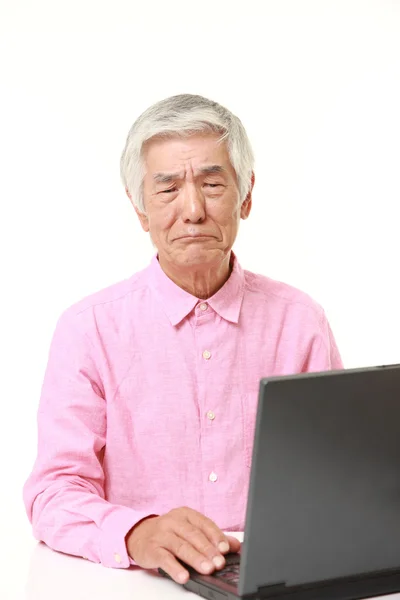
134, 530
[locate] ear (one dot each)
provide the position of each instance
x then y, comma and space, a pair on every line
247, 204
141, 216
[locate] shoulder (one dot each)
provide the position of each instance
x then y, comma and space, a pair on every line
279, 295
108, 302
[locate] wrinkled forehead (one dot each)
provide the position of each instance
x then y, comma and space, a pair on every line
203, 153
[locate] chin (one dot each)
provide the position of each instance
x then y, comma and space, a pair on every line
205, 258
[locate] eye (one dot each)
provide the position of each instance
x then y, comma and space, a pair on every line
212, 185
168, 191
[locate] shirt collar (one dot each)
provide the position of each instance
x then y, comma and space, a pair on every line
178, 303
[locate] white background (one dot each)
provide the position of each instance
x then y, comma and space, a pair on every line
316, 84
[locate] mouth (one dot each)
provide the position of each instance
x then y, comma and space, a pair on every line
196, 238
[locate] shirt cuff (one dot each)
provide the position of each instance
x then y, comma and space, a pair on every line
116, 526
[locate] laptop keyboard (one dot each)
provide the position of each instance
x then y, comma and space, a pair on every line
230, 573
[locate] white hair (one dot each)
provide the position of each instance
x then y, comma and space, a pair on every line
185, 115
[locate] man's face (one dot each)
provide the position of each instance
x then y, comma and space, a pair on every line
191, 198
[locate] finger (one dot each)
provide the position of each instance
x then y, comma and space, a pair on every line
194, 536
210, 529
186, 552
171, 566
234, 544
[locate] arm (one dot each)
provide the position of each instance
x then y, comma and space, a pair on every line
64, 496
323, 354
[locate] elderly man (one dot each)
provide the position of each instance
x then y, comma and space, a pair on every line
148, 405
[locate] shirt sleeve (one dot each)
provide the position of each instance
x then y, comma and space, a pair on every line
64, 495
323, 353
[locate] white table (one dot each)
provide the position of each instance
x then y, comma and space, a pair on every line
31, 571
53, 576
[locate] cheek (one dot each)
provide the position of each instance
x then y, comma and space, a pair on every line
168, 219
162, 220
227, 217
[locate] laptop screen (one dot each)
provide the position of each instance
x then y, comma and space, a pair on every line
324, 498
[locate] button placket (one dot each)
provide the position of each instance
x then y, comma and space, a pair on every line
205, 338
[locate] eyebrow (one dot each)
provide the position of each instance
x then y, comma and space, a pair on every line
212, 169
168, 177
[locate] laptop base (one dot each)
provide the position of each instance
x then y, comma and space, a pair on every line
352, 588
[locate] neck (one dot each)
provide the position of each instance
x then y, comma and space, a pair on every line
201, 282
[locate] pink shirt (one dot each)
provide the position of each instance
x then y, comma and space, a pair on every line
149, 403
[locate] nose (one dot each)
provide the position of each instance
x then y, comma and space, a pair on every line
193, 205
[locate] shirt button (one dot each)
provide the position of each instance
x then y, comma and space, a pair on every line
117, 558
203, 306
213, 477
206, 354
211, 415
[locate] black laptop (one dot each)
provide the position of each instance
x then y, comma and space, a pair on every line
323, 512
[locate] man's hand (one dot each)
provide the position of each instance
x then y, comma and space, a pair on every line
183, 534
